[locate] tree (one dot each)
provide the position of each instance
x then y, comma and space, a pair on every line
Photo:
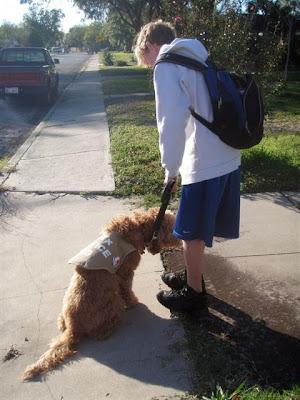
236, 39
9, 34
133, 13
93, 36
42, 26
74, 38
278, 19
291, 8
119, 35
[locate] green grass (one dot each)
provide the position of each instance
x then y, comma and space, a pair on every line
134, 148
250, 393
4, 161
286, 104
129, 58
273, 165
118, 71
130, 69
256, 393
124, 86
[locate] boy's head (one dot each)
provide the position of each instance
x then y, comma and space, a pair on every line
150, 39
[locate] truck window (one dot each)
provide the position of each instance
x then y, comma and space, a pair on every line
19, 57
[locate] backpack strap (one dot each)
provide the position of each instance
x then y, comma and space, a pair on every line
192, 64
181, 60
209, 125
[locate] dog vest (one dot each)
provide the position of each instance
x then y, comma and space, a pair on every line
107, 252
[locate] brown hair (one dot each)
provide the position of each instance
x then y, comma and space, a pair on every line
157, 32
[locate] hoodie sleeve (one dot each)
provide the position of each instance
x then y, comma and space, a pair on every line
172, 114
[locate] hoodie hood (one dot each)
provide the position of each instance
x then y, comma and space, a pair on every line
191, 48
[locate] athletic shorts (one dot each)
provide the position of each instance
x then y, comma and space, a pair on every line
210, 208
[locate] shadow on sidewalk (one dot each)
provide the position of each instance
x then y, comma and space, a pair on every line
143, 348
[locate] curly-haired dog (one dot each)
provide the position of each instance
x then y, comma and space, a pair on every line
96, 298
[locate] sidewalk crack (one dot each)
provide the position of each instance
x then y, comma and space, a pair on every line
27, 269
40, 302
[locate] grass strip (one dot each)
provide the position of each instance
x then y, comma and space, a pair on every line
286, 104
134, 148
121, 71
134, 84
273, 165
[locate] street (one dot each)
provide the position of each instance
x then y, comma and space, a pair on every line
20, 116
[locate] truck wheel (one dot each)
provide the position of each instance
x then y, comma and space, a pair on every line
50, 97
55, 94
46, 98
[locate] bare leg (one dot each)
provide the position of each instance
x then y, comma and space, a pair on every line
193, 251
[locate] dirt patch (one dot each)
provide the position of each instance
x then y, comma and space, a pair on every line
281, 125
263, 333
12, 353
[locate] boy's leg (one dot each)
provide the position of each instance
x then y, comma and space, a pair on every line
193, 251
206, 208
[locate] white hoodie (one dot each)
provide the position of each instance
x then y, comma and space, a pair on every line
187, 146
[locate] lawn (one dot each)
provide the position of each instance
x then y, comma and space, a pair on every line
273, 165
130, 67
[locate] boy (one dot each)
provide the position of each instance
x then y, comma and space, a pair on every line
210, 169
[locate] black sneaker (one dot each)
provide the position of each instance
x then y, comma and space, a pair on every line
177, 280
185, 300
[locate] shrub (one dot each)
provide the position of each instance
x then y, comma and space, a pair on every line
120, 63
107, 58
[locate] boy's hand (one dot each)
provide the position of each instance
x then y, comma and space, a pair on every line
175, 187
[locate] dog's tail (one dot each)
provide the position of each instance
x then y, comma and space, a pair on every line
61, 348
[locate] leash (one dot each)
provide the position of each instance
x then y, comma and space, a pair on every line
165, 198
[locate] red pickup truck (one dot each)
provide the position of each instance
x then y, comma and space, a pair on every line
28, 71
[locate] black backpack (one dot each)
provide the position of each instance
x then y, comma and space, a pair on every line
237, 103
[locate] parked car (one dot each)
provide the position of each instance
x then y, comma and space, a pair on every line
56, 50
28, 71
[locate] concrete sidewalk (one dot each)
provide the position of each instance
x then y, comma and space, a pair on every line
44, 221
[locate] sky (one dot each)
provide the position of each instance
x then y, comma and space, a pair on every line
12, 11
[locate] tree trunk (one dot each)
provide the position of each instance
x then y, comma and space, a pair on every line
288, 50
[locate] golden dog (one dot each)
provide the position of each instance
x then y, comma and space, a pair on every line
96, 299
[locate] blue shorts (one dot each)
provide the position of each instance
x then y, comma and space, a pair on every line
210, 208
